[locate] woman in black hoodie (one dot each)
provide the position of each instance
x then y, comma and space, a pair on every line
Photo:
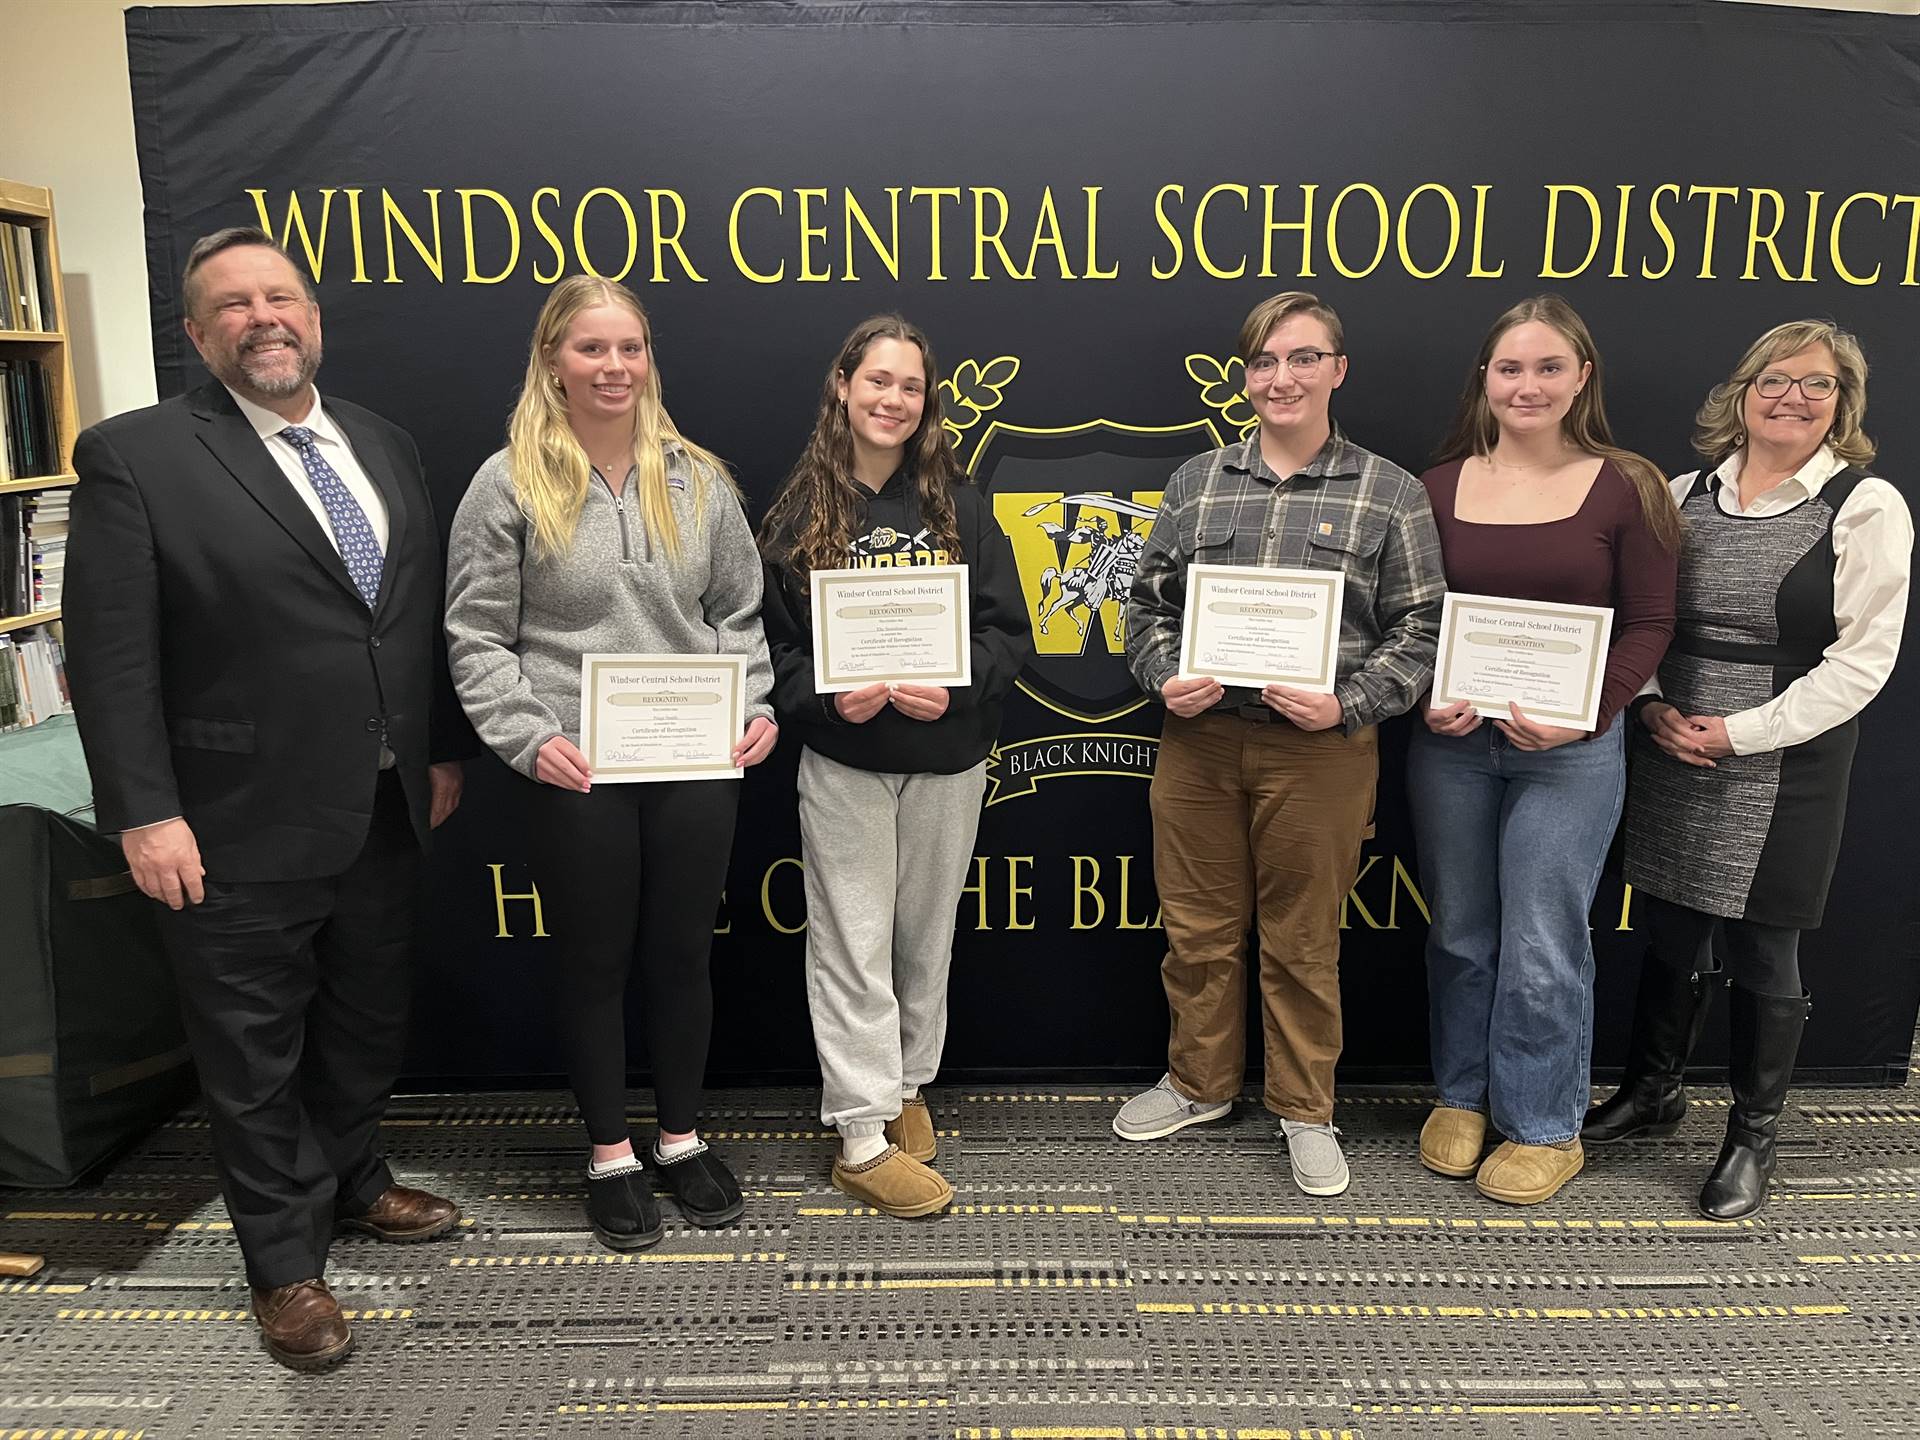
892, 775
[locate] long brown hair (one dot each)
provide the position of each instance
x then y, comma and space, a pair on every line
1476, 431
811, 523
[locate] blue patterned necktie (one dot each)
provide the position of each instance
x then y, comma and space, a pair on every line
355, 537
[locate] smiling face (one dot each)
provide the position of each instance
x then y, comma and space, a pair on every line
885, 396
601, 363
254, 326
1289, 403
1792, 424
1532, 379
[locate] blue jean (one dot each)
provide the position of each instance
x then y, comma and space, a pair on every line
1511, 844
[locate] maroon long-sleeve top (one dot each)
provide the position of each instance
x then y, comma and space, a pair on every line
1602, 554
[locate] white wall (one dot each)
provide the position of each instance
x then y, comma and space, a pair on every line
70, 126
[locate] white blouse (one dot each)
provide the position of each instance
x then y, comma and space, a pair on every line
1873, 551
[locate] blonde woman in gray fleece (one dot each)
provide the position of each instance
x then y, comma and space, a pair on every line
601, 528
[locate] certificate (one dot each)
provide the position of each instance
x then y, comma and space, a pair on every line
1263, 625
908, 624
662, 717
1550, 660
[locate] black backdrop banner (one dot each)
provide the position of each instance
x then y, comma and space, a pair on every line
1079, 203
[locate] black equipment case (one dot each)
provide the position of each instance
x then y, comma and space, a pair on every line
92, 1055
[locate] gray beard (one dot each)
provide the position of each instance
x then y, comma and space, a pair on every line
279, 384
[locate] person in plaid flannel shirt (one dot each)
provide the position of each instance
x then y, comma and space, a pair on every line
1261, 798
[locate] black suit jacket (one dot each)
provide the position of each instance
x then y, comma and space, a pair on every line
223, 667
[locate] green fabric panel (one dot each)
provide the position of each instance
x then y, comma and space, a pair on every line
44, 766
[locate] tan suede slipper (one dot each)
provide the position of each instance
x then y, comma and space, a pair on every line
1527, 1174
895, 1184
1451, 1141
912, 1130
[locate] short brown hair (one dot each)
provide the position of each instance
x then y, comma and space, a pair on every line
1719, 428
208, 246
1276, 308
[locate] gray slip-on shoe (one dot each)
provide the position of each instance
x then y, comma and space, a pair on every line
1156, 1113
1314, 1150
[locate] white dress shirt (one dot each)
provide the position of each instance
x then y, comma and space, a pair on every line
337, 453
1873, 552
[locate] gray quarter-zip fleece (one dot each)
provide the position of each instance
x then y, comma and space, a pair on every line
517, 626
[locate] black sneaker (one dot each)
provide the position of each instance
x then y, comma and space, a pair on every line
624, 1213
702, 1186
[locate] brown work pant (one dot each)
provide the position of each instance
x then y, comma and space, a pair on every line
1245, 811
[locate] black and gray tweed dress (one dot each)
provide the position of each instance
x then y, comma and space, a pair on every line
1756, 837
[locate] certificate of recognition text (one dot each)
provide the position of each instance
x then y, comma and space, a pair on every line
662, 717
873, 626
1550, 660
1263, 625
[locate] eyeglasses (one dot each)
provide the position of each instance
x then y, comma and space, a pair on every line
1300, 362
1772, 385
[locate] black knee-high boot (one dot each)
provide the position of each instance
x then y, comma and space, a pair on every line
1765, 1039
1669, 1012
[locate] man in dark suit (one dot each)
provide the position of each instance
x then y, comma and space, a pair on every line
253, 613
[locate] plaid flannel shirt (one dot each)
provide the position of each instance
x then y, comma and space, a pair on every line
1348, 510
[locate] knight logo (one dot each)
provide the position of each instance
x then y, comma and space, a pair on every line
1108, 570
1078, 503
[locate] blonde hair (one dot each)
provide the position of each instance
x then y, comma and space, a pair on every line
1719, 429
1276, 308
550, 468
1476, 431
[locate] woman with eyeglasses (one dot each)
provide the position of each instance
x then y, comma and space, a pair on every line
1514, 815
1793, 592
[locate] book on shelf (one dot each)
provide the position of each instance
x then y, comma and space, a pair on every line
26, 279
47, 569
33, 551
28, 436
33, 678
13, 556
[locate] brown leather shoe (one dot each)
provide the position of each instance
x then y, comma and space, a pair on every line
912, 1130
1527, 1174
894, 1184
404, 1216
302, 1325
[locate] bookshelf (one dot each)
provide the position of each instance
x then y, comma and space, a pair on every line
27, 622
31, 206
39, 398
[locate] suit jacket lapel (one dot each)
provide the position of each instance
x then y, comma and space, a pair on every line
235, 445
378, 464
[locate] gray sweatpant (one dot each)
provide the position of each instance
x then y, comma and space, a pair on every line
886, 857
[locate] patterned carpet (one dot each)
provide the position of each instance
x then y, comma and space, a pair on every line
1081, 1287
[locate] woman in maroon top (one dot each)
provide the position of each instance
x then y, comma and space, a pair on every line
1534, 501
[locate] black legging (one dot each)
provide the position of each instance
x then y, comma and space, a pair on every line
632, 874
1762, 959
